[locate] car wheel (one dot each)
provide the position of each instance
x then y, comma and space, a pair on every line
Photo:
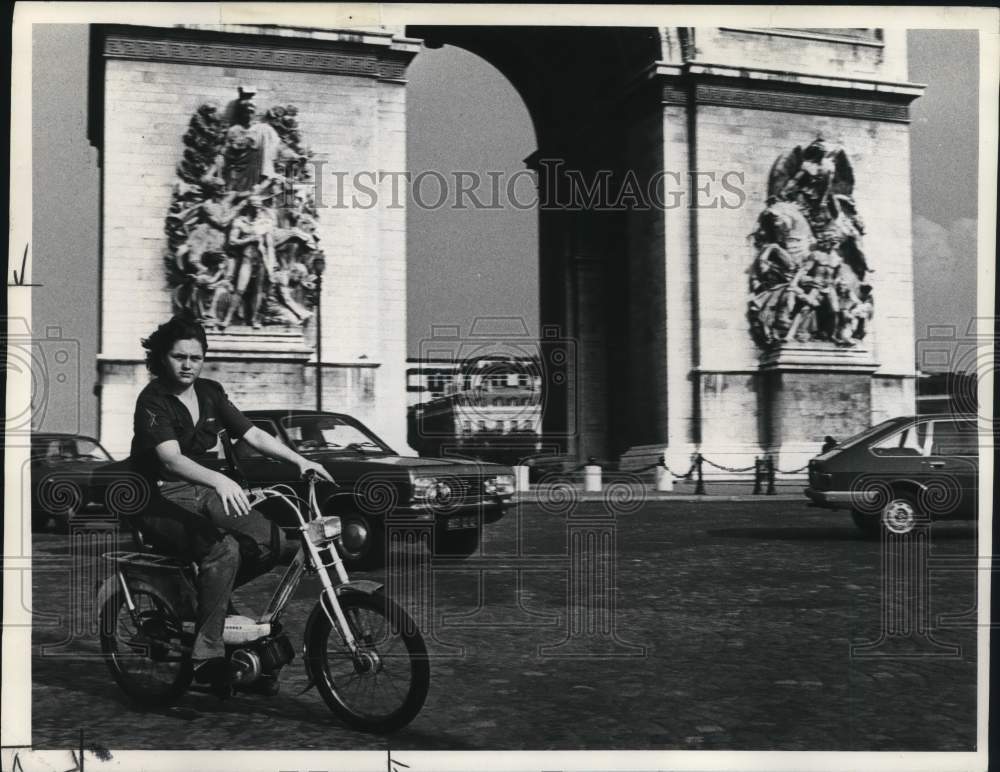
362, 540
900, 515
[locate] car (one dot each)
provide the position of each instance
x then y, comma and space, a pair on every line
901, 473
62, 467
456, 497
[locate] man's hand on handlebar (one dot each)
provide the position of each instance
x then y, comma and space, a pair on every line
235, 501
308, 468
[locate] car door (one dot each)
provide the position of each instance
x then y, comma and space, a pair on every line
260, 469
898, 457
954, 455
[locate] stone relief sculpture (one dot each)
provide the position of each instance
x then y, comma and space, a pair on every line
807, 280
241, 230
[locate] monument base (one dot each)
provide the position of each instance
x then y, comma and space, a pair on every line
800, 394
269, 368
809, 391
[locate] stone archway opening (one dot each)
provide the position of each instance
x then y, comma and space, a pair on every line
472, 221
574, 83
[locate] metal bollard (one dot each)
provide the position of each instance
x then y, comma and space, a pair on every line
699, 488
521, 483
770, 476
592, 476
664, 479
758, 470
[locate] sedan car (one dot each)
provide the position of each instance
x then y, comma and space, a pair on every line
62, 466
901, 473
377, 485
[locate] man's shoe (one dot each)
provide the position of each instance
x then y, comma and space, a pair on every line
218, 674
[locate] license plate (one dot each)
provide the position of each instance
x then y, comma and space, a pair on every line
461, 523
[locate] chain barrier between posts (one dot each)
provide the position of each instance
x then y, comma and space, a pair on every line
730, 468
792, 471
764, 470
659, 464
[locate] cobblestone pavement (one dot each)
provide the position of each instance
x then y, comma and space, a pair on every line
731, 628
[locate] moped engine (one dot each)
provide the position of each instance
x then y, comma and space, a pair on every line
275, 652
249, 666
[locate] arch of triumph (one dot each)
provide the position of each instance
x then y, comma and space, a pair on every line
764, 302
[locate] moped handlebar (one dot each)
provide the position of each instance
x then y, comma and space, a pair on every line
312, 476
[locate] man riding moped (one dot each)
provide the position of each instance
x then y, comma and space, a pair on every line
196, 513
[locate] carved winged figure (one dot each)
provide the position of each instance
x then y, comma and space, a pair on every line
809, 263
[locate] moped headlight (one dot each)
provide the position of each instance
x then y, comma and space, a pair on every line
323, 528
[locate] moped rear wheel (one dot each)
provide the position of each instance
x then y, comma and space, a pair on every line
143, 651
384, 685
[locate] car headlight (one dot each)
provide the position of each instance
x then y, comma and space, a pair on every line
433, 490
424, 488
323, 529
501, 485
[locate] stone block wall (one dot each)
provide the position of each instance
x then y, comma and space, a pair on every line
875, 55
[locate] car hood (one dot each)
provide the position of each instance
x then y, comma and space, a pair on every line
65, 467
405, 464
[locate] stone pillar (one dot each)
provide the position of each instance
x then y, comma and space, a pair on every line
733, 101
681, 274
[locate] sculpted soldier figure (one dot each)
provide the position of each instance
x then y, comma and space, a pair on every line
813, 297
207, 224
856, 311
251, 261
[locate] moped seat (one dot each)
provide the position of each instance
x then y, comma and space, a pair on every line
149, 555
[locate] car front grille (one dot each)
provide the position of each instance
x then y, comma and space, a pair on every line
456, 491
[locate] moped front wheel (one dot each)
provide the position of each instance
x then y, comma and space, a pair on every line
144, 648
383, 685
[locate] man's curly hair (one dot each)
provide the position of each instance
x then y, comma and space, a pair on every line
159, 344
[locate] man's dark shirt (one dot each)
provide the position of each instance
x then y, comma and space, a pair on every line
161, 416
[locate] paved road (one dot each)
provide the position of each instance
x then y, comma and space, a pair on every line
731, 625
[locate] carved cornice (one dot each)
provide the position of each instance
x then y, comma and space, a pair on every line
705, 84
849, 37
189, 47
791, 102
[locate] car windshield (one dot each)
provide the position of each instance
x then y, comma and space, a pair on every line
866, 434
329, 432
69, 449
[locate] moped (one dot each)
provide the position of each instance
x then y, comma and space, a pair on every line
363, 653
